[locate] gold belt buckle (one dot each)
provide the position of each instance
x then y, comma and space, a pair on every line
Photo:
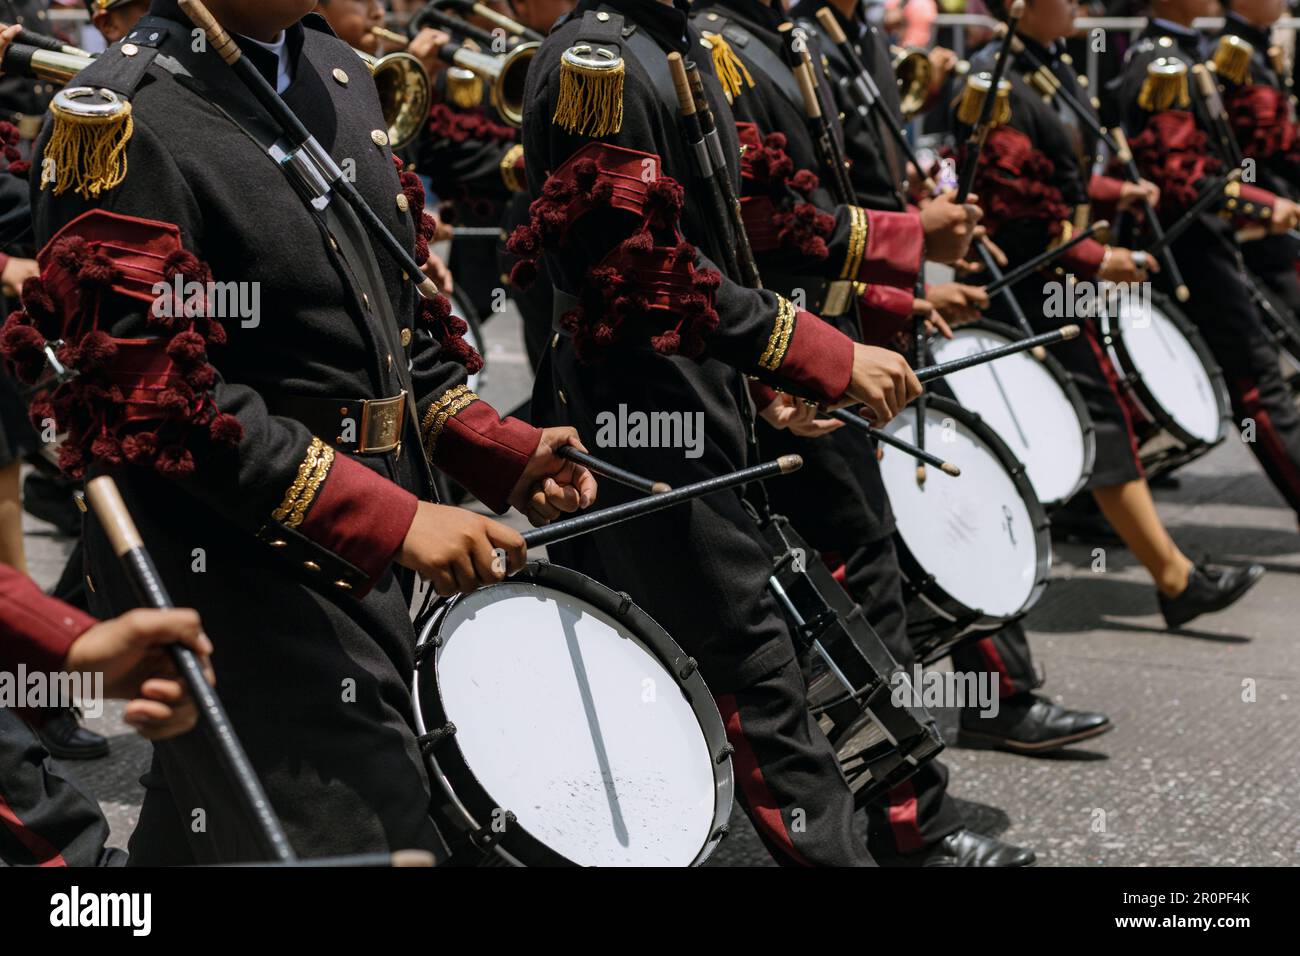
381, 424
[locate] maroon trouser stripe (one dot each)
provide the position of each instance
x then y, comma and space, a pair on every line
46, 853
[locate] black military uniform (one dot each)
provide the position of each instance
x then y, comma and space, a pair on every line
647, 322
1167, 129
1262, 106
275, 488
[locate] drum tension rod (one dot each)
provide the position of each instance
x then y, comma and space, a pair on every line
726, 751
431, 741
487, 837
685, 667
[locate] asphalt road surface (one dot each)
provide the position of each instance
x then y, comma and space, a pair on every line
1195, 772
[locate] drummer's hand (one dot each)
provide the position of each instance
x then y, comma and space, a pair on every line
7, 36
957, 303
882, 380
1132, 194
798, 416
437, 270
455, 550
1118, 265
131, 653
1286, 215
934, 323
17, 271
948, 227
425, 47
551, 485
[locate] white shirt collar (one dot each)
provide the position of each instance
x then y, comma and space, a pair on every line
280, 47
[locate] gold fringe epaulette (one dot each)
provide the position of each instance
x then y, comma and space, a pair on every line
971, 101
590, 102
87, 148
1165, 86
1232, 58
730, 69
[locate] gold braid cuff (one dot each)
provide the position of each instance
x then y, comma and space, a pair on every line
857, 243
779, 340
312, 472
446, 406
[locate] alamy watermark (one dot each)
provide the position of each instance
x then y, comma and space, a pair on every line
932, 689
59, 690
182, 299
634, 429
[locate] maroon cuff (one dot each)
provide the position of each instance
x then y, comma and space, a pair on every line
895, 249
819, 358
763, 395
485, 453
885, 312
1105, 189
1083, 260
1252, 199
36, 630
360, 516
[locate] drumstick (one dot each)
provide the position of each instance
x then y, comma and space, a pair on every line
612, 472
857, 421
1063, 334
1207, 198
398, 859
1043, 258
598, 520
149, 588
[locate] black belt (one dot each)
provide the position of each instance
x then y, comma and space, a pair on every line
359, 426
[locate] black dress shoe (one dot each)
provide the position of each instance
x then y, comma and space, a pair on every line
51, 499
1208, 591
66, 739
966, 848
1030, 724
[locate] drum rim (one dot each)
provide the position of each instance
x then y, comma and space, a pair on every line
927, 587
450, 771
1132, 381
1072, 393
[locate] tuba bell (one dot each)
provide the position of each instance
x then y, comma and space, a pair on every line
404, 94
914, 73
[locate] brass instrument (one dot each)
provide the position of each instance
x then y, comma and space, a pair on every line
914, 73
404, 94
506, 74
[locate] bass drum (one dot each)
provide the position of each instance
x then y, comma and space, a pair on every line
1170, 376
1030, 402
562, 726
975, 551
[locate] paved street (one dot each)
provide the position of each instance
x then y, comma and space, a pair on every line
1192, 774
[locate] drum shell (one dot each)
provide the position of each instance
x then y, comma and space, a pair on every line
463, 809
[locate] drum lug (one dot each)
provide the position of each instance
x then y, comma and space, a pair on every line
685, 667
485, 838
719, 833
624, 602
433, 739
725, 753
423, 650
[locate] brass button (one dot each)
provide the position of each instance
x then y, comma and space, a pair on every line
390, 362
602, 16
340, 76
1165, 41
563, 399
90, 583
334, 244
343, 410
555, 342
80, 499
403, 203
311, 565
343, 585
1067, 59
380, 137
130, 49
1083, 81
406, 338
365, 300
277, 543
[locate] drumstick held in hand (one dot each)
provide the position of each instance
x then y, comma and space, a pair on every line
931, 372
613, 472
920, 454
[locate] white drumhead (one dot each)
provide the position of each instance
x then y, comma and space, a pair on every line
1020, 400
1171, 369
567, 720
974, 533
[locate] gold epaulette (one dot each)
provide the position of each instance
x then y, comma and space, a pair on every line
730, 68
971, 102
1165, 85
1232, 58
87, 148
590, 100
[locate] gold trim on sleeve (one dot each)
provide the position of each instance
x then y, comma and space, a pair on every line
857, 243
779, 340
447, 405
312, 472
509, 174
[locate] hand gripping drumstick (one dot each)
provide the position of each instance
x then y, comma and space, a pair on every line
857, 421
1010, 278
1063, 334
149, 588
306, 154
612, 472
599, 520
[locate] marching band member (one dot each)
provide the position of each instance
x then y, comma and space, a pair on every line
837, 501
1160, 107
266, 389
114, 18
646, 321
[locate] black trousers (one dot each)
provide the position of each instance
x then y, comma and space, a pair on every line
700, 570
1222, 308
1006, 654
46, 818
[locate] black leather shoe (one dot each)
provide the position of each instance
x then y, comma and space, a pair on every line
68, 740
1030, 724
1208, 591
966, 848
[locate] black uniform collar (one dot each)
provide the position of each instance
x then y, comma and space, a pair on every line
761, 15
667, 25
1236, 26
1186, 38
266, 62
855, 28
